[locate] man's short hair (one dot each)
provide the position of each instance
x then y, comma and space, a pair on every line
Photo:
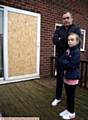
65, 12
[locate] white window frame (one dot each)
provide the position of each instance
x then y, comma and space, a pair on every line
8, 79
83, 31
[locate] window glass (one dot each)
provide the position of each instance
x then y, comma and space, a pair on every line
1, 42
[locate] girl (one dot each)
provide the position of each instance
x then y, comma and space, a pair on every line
71, 62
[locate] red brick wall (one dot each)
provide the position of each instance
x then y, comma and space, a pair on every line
51, 12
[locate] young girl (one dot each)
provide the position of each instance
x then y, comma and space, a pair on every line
70, 62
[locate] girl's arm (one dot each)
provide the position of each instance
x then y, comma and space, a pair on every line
64, 56
73, 62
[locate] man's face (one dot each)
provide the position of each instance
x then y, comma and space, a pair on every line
67, 19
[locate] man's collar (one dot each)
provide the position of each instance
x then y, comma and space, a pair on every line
67, 27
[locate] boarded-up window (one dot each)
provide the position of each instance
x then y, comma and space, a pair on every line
22, 33
21, 44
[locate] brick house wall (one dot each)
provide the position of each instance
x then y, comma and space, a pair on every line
51, 12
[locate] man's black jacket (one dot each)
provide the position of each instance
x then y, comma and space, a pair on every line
60, 38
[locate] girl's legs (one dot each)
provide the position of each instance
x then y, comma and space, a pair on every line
70, 93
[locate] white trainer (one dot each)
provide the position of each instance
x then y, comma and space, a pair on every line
55, 102
64, 112
69, 116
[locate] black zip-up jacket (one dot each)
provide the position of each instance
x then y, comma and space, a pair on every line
71, 63
60, 38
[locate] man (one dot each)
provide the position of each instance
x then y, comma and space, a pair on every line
60, 40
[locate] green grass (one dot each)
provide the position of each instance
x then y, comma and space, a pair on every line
33, 98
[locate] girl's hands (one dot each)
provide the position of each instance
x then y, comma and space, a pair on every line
67, 52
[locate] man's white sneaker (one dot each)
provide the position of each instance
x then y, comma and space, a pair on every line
55, 102
68, 116
64, 112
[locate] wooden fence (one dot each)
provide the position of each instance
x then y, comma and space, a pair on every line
84, 73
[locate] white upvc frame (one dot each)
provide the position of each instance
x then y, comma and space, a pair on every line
83, 32
8, 79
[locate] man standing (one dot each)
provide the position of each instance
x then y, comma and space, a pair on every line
60, 40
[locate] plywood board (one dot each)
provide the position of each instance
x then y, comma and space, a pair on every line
22, 47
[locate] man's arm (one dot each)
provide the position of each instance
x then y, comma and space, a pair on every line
56, 38
78, 31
